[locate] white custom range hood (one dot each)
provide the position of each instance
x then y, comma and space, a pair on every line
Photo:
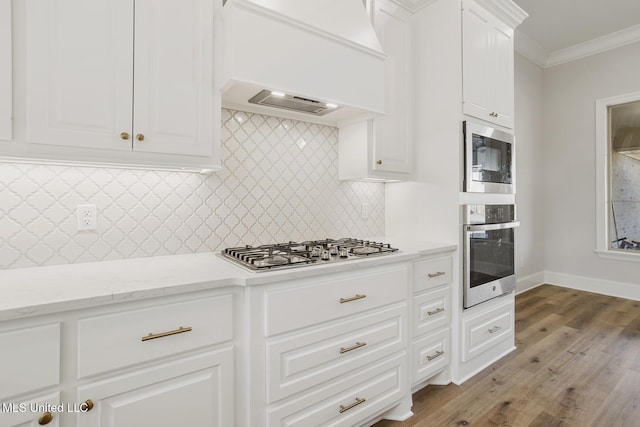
311, 60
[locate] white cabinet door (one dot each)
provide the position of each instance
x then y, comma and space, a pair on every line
487, 66
173, 76
196, 391
380, 148
502, 74
31, 412
391, 141
476, 36
79, 72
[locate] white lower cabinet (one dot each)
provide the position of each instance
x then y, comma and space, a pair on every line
162, 362
431, 354
29, 359
331, 351
348, 401
487, 333
482, 331
32, 412
193, 391
431, 318
30, 375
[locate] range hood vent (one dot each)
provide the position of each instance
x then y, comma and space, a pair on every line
293, 103
627, 141
319, 53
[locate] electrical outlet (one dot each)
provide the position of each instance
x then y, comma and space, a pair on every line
365, 209
87, 218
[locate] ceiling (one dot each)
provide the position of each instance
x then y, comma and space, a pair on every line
560, 25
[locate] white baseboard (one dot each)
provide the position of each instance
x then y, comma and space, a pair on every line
589, 284
529, 282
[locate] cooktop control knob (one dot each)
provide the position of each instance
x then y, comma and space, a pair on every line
333, 250
344, 253
325, 256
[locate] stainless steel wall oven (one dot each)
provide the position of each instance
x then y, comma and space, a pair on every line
489, 252
489, 159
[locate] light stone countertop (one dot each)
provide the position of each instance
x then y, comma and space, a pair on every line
34, 291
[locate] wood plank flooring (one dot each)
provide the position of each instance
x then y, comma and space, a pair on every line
577, 363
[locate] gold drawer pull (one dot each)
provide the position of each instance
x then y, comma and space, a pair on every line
45, 418
436, 311
86, 406
435, 355
356, 297
438, 274
353, 347
495, 329
353, 405
180, 330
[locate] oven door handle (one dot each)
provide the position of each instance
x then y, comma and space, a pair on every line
487, 227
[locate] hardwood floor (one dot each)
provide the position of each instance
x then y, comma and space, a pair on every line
577, 363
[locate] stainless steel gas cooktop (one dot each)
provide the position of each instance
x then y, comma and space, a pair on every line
293, 254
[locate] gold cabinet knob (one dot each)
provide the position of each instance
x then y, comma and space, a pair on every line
124, 135
379, 162
140, 137
45, 418
87, 405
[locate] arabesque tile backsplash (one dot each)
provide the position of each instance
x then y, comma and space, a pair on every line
280, 182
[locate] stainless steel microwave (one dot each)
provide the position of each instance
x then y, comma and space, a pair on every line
489, 159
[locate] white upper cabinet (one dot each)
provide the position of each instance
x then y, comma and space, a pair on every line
121, 76
173, 69
5, 70
79, 72
381, 148
487, 66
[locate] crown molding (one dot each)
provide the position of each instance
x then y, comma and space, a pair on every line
505, 10
537, 54
413, 5
531, 49
592, 47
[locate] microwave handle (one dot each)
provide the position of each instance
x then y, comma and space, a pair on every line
487, 227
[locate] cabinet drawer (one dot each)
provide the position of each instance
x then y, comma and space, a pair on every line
430, 355
117, 340
30, 359
28, 412
431, 273
302, 306
481, 332
431, 310
346, 402
304, 360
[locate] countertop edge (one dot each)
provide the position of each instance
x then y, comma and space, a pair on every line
47, 290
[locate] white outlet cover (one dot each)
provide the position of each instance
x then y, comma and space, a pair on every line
87, 217
365, 210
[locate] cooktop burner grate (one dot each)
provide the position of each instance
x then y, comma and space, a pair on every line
294, 254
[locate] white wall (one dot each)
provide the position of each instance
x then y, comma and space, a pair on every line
529, 145
568, 167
